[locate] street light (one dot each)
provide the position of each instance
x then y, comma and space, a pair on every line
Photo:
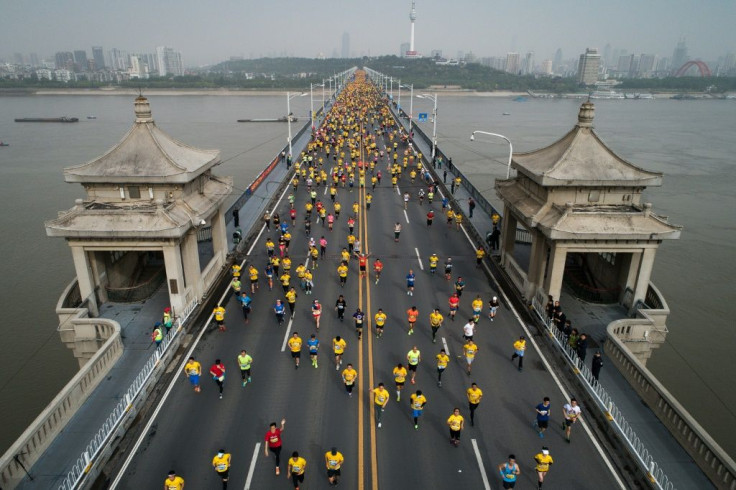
434, 122
290, 96
411, 102
511, 148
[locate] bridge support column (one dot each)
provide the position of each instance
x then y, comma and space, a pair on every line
508, 235
175, 276
190, 258
219, 236
537, 264
645, 273
85, 278
553, 283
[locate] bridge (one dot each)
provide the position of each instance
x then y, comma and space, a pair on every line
182, 430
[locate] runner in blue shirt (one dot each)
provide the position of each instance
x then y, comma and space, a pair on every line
509, 472
245, 303
313, 344
359, 316
542, 416
410, 277
279, 308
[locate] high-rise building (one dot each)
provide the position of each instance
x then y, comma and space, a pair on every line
589, 66
34, 60
80, 60
547, 67
513, 63
345, 45
528, 63
607, 60
679, 56
99, 57
647, 65
663, 66
64, 60
557, 62
168, 62
623, 68
118, 59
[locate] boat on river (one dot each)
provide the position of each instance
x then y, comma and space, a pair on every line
48, 119
280, 119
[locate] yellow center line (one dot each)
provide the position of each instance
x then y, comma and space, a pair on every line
361, 422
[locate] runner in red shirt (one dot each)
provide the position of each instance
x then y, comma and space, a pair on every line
362, 262
377, 268
273, 442
454, 305
218, 374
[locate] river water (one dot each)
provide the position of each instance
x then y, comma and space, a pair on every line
691, 142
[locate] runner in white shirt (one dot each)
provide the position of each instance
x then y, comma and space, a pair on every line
571, 411
469, 330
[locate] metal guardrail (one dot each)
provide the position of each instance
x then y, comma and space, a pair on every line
655, 474
85, 461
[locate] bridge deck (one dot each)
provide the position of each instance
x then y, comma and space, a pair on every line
191, 427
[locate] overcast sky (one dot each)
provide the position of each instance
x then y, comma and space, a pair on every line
208, 31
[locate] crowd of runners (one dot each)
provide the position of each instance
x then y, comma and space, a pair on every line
357, 148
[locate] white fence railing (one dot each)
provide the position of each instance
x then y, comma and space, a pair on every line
654, 472
85, 461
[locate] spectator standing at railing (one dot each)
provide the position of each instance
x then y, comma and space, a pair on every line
471, 207
596, 365
582, 347
236, 217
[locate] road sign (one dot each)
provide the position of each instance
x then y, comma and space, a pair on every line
422, 117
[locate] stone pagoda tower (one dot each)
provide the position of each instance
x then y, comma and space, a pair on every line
582, 205
147, 199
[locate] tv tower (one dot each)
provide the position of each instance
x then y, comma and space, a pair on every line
412, 17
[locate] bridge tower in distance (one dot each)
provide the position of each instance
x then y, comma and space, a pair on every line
412, 53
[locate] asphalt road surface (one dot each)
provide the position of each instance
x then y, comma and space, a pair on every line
191, 427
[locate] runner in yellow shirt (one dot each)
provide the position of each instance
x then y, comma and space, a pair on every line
433, 260
193, 370
338, 347
479, 254
477, 306
219, 313
442, 360
333, 460
417, 402
342, 272
413, 357
544, 461
519, 349
380, 319
221, 464
456, 422
458, 220
173, 481
295, 345
399, 378
380, 399
474, 395
295, 469
470, 349
349, 375
435, 321
253, 275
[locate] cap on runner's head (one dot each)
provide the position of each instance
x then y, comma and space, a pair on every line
167, 309
495, 298
545, 450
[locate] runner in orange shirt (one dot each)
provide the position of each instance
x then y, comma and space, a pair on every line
412, 314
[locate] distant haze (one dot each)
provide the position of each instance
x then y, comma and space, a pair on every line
208, 32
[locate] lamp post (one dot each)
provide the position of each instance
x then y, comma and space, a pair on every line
290, 96
511, 148
411, 102
434, 122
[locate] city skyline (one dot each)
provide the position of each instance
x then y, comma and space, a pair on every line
247, 30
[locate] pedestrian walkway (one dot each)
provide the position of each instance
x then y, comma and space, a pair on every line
136, 321
594, 319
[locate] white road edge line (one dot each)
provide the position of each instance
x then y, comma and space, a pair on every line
252, 466
184, 360
549, 368
447, 349
286, 335
419, 257
406, 216
482, 468
398, 189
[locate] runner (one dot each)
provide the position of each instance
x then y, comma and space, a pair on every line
316, 312
435, 321
218, 374
492, 308
269, 275
338, 347
380, 319
313, 345
359, 316
279, 309
333, 460
410, 278
349, 375
399, 378
235, 284
397, 231
285, 281
193, 370
413, 357
173, 481
542, 420
295, 469
509, 472
244, 362
469, 330
442, 360
362, 262
544, 461
377, 268
245, 302
448, 268
221, 464
412, 314
519, 348
454, 302
477, 306
308, 283
479, 254
433, 260
273, 442
295, 345
291, 299
342, 272
340, 306
417, 402
456, 422
469, 349
253, 275
380, 399
474, 395
571, 411
459, 286
219, 313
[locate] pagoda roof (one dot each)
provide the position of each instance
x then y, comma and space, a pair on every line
580, 158
145, 155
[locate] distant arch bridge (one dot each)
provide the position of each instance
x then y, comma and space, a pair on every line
702, 68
